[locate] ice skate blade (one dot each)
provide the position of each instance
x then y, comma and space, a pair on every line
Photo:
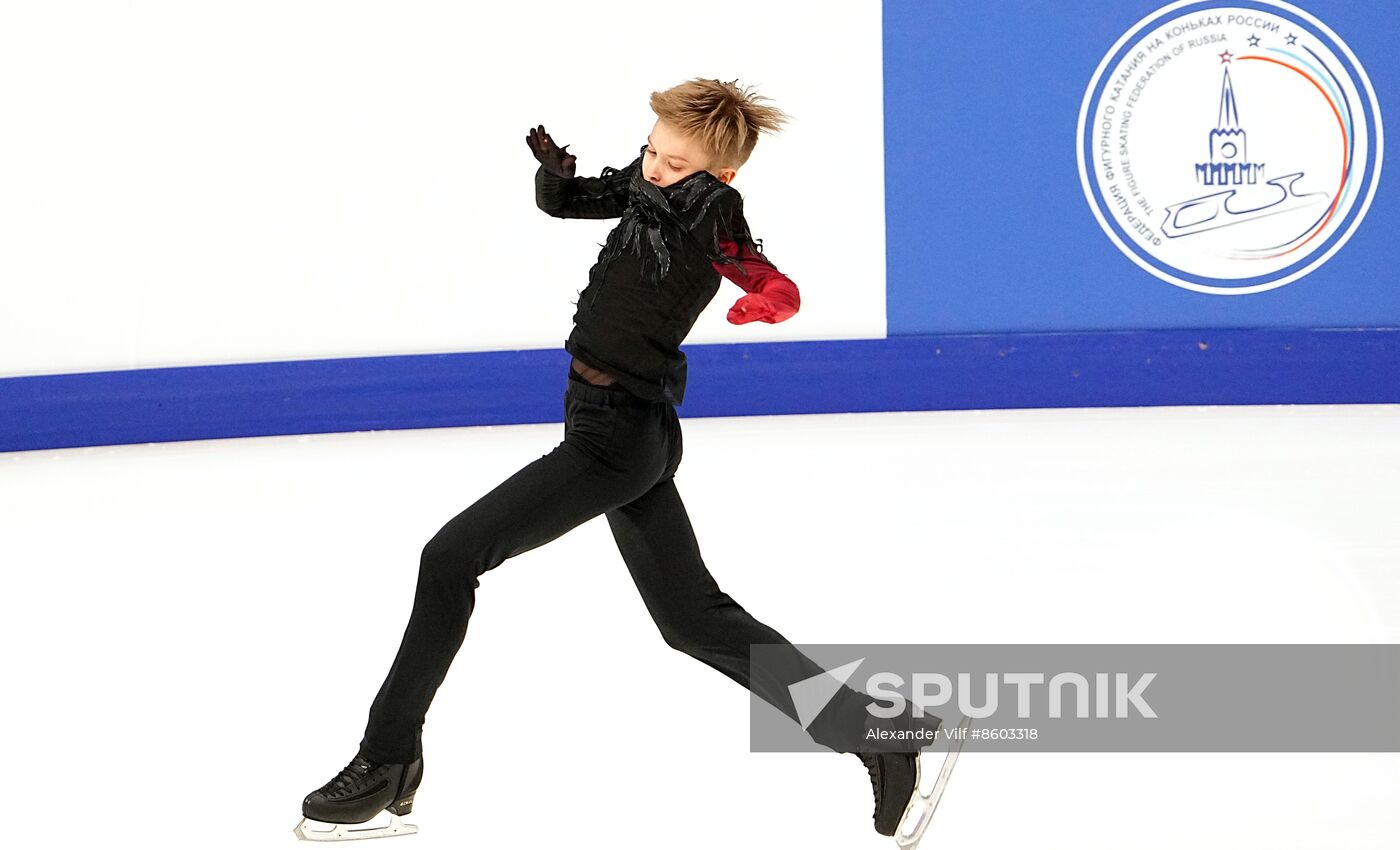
921, 805
352, 831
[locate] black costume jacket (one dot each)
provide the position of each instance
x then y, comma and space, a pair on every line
655, 273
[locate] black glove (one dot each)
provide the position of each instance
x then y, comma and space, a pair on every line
550, 155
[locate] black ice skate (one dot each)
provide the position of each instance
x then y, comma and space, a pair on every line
902, 808
358, 793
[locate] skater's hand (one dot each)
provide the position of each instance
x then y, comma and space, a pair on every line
550, 155
753, 307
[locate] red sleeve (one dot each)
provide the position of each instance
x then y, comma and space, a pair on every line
762, 278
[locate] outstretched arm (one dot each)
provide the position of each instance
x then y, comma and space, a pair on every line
772, 296
562, 195
578, 197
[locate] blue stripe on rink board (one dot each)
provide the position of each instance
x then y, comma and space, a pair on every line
962, 371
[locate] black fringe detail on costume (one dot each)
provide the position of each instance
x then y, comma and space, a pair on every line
653, 212
728, 221
610, 181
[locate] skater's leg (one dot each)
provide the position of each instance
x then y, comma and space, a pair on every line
613, 449
658, 544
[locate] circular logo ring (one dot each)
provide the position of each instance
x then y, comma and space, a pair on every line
1229, 147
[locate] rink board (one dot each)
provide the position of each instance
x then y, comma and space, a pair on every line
977, 371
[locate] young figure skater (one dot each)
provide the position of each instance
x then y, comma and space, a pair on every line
681, 227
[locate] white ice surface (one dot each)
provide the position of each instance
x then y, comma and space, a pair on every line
194, 631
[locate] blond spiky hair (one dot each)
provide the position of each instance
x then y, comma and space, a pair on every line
722, 118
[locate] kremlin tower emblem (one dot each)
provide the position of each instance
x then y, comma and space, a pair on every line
1229, 165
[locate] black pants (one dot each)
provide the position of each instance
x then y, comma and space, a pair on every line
618, 457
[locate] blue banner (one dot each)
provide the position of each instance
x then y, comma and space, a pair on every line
1137, 165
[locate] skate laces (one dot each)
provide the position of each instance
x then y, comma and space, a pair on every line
356, 770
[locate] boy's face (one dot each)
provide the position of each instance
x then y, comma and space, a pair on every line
670, 157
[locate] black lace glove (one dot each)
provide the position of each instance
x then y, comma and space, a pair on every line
550, 155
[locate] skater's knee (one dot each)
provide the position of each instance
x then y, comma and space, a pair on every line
448, 557
682, 637
673, 639
437, 553
700, 626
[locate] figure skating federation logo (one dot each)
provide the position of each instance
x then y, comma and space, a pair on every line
1229, 148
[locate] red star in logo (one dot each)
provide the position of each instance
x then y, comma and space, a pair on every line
1224, 57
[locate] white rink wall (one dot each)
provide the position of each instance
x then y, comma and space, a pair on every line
195, 183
